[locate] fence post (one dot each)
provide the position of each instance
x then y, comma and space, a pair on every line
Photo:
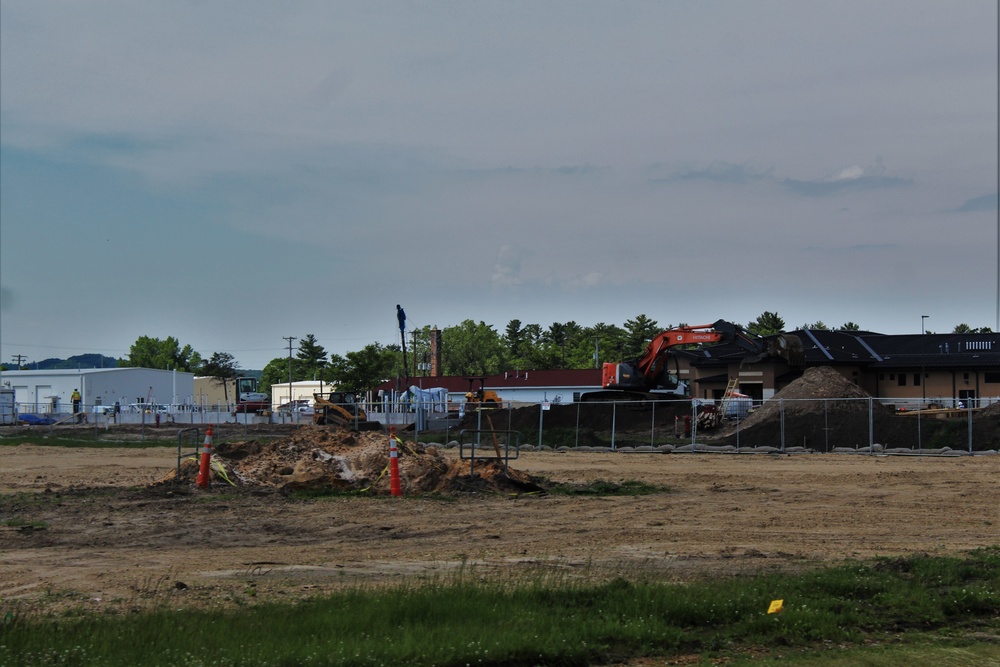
871, 427
614, 417
738, 430
694, 425
652, 425
826, 425
541, 412
969, 411
781, 409
577, 443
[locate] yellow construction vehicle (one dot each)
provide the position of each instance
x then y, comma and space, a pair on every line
340, 408
482, 397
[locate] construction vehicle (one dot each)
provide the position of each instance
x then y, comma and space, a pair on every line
482, 397
641, 379
248, 399
341, 408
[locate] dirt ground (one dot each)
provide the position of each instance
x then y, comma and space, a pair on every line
92, 528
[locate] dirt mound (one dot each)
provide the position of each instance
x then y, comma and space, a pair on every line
822, 410
326, 458
990, 411
805, 396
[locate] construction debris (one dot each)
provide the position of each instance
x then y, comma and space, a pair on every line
317, 458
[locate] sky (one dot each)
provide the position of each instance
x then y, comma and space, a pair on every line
232, 173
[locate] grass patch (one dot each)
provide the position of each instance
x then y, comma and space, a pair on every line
856, 609
607, 488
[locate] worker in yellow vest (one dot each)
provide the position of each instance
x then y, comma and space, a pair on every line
76, 398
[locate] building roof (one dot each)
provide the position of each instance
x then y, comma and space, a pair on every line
831, 348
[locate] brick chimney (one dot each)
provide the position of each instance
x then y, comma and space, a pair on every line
435, 352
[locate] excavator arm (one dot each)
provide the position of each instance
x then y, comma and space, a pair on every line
645, 371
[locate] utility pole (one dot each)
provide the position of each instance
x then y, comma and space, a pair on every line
401, 319
17, 360
413, 349
289, 339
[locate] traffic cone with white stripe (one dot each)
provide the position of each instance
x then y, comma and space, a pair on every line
206, 459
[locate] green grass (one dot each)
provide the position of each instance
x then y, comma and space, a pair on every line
607, 488
858, 613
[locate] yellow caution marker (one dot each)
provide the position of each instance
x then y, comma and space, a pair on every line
776, 606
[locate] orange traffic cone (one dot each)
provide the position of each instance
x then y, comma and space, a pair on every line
206, 458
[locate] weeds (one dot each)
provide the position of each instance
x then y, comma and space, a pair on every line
543, 622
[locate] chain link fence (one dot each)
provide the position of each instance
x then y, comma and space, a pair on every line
820, 425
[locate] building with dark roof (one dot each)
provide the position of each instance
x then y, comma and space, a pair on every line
906, 370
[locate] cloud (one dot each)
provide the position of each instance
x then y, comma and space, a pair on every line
852, 249
847, 179
507, 268
718, 171
6, 299
984, 203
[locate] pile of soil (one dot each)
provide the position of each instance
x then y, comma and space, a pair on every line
316, 457
813, 422
809, 421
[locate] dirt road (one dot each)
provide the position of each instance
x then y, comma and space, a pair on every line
85, 528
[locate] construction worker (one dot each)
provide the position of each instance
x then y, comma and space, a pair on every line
76, 398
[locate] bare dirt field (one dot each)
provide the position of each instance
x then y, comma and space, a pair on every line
93, 528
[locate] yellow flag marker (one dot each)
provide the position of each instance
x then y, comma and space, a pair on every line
776, 606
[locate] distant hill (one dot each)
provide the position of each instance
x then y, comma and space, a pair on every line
83, 361
78, 361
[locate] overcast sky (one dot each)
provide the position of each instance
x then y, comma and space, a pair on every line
230, 173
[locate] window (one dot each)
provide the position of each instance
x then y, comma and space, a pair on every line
901, 380
992, 378
916, 379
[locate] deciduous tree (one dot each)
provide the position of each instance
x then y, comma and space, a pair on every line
366, 368
148, 352
223, 367
472, 349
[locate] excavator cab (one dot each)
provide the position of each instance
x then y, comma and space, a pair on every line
341, 408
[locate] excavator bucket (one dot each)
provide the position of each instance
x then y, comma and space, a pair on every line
789, 348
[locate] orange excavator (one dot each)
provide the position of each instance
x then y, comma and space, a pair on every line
636, 379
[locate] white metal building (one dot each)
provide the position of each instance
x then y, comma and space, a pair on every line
51, 391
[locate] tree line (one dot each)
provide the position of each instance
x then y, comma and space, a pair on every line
467, 349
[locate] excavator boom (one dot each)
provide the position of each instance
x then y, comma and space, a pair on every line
645, 372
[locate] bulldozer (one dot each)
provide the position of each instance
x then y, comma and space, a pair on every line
341, 409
